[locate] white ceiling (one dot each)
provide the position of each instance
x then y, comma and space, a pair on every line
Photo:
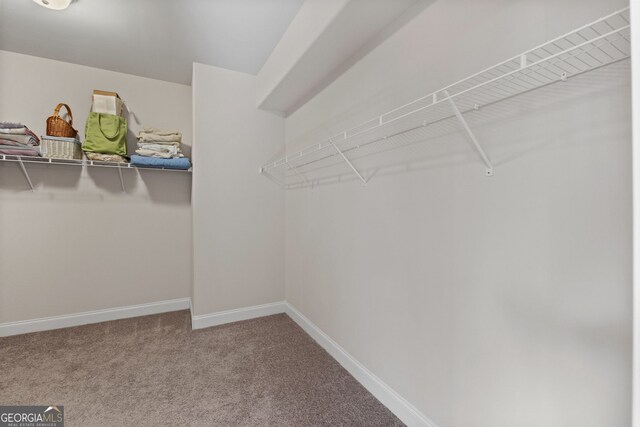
152, 38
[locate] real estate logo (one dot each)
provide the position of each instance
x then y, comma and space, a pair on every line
31, 416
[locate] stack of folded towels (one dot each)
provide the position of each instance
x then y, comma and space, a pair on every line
158, 143
158, 148
17, 140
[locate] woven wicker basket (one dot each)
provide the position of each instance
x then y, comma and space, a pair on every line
57, 126
60, 149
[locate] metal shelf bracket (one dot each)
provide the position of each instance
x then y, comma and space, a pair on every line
465, 125
26, 174
364, 181
121, 180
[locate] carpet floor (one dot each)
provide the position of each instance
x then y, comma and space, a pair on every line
154, 370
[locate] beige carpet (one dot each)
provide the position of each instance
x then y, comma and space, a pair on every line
154, 370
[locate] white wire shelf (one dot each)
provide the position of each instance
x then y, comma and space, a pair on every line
592, 46
22, 160
81, 162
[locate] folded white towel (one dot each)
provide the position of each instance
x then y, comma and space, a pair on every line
171, 149
145, 137
156, 131
152, 153
159, 146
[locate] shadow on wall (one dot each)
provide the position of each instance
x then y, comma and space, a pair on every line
42, 176
59, 182
108, 179
557, 325
444, 144
167, 187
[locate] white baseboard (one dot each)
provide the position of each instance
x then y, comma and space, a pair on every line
97, 316
229, 316
404, 410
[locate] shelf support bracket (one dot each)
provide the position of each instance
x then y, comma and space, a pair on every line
467, 129
364, 181
304, 178
26, 174
121, 180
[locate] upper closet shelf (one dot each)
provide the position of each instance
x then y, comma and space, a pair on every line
22, 160
587, 48
83, 162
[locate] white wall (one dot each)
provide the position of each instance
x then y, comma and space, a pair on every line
635, 33
77, 243
238, 216
309, 23
502, 301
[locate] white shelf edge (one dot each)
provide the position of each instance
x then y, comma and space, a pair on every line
84, 162
23, 160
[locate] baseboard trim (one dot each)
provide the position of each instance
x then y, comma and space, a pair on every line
230, 316
404, 410
96, 316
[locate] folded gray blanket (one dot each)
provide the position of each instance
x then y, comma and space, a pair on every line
11, 151
26, 139
10, 125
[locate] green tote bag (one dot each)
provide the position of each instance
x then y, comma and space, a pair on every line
105, 133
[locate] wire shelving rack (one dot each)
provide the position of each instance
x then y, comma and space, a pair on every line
22, 160
592, 46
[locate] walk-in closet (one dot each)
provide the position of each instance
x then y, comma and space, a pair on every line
320, 212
